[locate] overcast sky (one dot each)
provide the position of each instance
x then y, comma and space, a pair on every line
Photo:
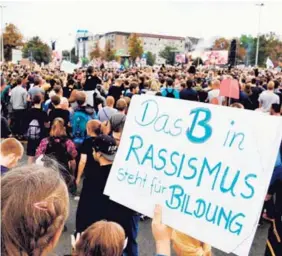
60, 20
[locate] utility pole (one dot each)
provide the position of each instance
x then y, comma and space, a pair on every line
2, 33
257, 50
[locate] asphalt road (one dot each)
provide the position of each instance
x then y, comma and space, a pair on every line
145, 239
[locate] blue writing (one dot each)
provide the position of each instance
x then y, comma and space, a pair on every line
133, 147
202, 123
234, 181
249, 176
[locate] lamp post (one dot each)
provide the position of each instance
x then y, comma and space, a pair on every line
257, 50
2, 33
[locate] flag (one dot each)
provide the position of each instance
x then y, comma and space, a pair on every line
269, 63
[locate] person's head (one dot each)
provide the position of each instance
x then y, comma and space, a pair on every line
105, 149
118, 82
275, 110
154, 86
36, 99
58, 128
101, 238
254, 81
58, 90
90, 70
110, 101
248, 89
236, 105
121, 105
19, 81
134, 88
64, 103
36, 81
33, 211
189, 84
215, 84
11, 152
93, 128
56, 100
270, 86
169, 82
80, 98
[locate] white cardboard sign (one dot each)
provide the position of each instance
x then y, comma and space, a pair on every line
208, 166
68, 67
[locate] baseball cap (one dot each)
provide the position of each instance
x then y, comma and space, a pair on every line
106, 145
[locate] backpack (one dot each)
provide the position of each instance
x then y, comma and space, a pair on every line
170, 94
57, 149
34, 130
79, 121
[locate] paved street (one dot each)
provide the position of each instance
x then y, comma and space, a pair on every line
146, 243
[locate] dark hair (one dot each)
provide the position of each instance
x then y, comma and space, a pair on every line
90, 70
57, 88
36, 99
36, 80
254, 80
55, 100
276, 107
19, 81
133, 86
276, 84
189, 83
159, 94
162, 80
169, 82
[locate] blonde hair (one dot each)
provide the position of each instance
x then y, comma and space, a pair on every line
110, 101
11, 146
58, 128
102, 238
155, 86
34, 211
270, 85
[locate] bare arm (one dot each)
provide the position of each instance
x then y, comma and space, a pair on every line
81, 166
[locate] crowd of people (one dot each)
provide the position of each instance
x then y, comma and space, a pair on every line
72, 125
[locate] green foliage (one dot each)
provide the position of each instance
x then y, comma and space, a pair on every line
151, 59
135, 47
12, 38
168, 54
96, 52
110, 53
37, 51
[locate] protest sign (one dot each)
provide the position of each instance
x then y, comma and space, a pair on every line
208, 166
68, 67
229, 88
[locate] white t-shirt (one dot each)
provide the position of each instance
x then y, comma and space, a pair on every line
267, 98
215, 94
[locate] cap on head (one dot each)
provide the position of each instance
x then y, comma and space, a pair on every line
106, 145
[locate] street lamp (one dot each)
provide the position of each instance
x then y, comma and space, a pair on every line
257, 51
2, 33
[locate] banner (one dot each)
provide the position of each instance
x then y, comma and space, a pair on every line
212, 57
180, 58
68, 67
208, 166
16, 56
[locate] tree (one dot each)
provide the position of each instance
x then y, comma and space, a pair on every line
74, 58
151, 59
12, 38
109, 53
66, 54
168, 54
135, 47
221, 44
96, 52
36, 50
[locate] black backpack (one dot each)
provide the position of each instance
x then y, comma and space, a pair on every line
170, 94
57, 149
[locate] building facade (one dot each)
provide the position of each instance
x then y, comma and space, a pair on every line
120, 40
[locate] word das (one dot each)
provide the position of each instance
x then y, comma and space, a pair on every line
201, 209
200, 171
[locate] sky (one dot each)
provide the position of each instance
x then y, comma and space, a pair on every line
59, 20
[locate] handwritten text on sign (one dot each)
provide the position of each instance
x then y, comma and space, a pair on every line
209, 166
